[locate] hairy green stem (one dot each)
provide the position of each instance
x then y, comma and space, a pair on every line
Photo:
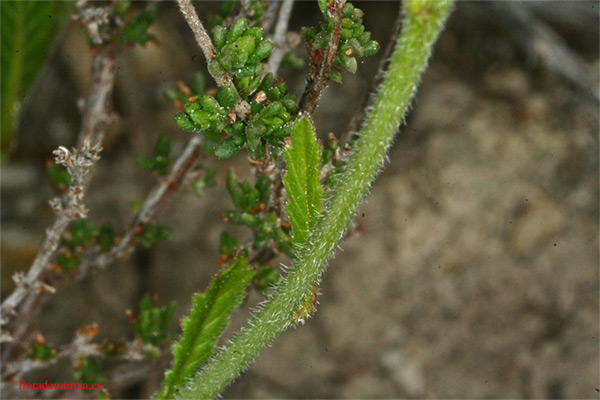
423, 21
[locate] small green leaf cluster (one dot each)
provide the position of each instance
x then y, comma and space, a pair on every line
87, 370
206, 181
42, 352
150, 234
113, 348
225, 9
270, 121
256, 10
240, 52
159, 163
250, 202
150, 325
272, 108
81, 235
135, 29
354, 40
59, 176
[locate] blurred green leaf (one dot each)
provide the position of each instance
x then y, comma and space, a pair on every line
42, 352
27, 30
136, 29
88, 371
152, 322
150, 234
68, 261
59, 176
81, 233
106, 238
244, 196
227, 244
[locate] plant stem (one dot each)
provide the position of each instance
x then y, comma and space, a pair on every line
423, 21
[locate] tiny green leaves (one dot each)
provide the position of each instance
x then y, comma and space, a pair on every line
244, 196
149, 234
207, 320
240, 52
151, 323
354, 40
227, 244
301, 180
59, 176
136, 29
40, 350
87, 370
159, 163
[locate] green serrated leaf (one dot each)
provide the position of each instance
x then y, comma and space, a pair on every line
301, 180
208, 319
28, 30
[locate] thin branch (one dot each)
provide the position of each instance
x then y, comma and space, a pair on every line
79, 162
94, 258
151, 208
202, 38
280, 46
242, 108
97, 113
310, 97
270, 16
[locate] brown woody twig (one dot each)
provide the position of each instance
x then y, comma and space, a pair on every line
79, 163
316, 84
151, 208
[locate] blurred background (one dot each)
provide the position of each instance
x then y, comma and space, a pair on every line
476, 272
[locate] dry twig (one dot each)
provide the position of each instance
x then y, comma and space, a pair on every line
316, 84
151, 208
79, 163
